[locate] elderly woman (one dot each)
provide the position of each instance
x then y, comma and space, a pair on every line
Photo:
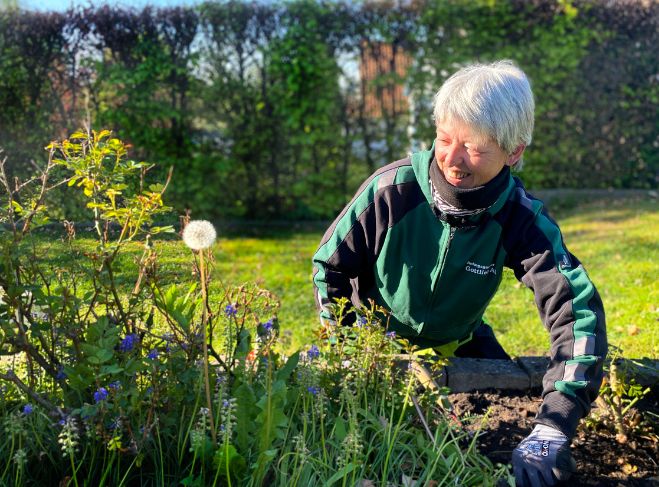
427, 238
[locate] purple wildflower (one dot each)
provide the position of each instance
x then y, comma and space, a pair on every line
267, 326
313, 390
101, 394
27, 409
153, 354
115, 386
128, 343
230, 311
362, 321
313, 352
390, 334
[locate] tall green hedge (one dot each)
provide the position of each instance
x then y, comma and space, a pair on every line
261, 110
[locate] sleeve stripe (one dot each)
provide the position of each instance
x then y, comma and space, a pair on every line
584, 346
387, 178
575, 372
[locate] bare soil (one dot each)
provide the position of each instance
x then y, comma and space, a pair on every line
601, 460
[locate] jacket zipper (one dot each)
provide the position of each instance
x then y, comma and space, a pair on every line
442, 262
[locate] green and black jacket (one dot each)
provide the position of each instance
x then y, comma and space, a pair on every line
389, 244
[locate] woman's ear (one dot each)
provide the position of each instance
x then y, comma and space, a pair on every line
516, 155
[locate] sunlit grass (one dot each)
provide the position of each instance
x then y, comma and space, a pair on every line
617, 242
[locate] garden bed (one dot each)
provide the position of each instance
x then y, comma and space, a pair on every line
601, 460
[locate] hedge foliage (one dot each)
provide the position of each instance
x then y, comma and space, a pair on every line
263, 113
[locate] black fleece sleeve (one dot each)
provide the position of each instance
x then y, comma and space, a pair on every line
570, 309
344, 260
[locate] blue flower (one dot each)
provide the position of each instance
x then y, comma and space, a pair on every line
230, 310
115, 386
313, 390
60, 374
27, 409
153, 354
101, 394
313, 352
390, 334
362, 321
267, 326
128, 343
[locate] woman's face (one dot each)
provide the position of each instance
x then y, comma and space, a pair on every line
467, 160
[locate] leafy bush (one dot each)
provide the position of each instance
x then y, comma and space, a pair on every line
299, 101
110, 376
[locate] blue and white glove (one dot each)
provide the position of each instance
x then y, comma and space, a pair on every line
543, 458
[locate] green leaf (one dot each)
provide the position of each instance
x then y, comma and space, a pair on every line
245, 414
16, 206
340, 474
285, 372
229, 455
100, 357
110, 370
340, 429
133, 366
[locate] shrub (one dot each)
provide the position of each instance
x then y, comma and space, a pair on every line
114, 377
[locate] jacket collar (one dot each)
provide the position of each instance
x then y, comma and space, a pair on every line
421, 165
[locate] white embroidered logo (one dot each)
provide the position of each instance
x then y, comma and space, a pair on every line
481, 270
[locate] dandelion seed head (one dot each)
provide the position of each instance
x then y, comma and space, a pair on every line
199, 234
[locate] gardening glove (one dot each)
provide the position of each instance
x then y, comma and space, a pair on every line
543, 458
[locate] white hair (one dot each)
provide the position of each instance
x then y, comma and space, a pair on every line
494, 99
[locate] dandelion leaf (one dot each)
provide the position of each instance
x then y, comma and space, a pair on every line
245, 414
285, 372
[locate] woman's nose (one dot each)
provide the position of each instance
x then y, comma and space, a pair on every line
454, 155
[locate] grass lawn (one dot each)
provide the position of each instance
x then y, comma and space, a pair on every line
616, 240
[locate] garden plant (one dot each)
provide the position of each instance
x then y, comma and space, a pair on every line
111, 376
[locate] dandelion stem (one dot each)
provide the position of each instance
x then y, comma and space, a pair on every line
204, 324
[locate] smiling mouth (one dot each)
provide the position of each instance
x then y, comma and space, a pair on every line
457, 175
